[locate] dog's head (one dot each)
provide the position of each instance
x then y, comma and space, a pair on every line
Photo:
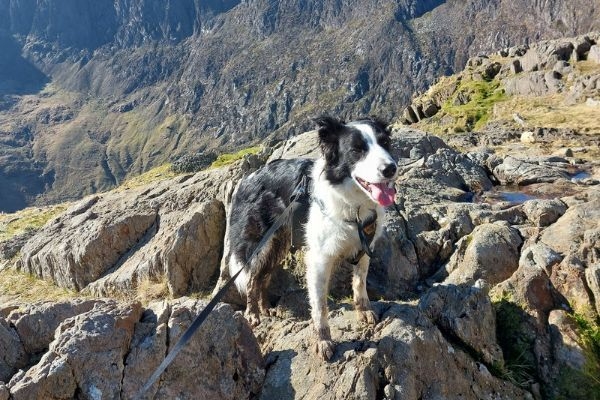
359, 151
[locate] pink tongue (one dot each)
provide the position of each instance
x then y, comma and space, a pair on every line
383, 194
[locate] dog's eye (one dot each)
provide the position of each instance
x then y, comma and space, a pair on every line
356, 150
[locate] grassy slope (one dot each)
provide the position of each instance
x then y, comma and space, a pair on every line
489, 104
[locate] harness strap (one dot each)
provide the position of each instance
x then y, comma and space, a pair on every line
366, 233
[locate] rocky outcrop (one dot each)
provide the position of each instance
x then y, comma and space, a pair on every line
564, 68
110, 349
446, 246
171, 232
406, 356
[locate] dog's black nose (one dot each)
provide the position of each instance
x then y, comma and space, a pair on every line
388, 170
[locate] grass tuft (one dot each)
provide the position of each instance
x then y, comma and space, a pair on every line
27, 219
229, 158
16, 285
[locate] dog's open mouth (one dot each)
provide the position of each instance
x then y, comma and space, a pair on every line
382, 192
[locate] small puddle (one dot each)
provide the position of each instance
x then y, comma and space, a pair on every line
579, 176
510, 194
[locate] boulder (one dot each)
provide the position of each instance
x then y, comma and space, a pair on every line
527, 171
87, 356
569, 278
111, 350
394, 271
544, 212
222, 360
537, 83
12, 353
567, 233
490, 252
79, 246
171, 231
592, 277
594, 53
405, 357
464, 313
530, 284
36, 323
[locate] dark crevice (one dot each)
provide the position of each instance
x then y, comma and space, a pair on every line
460, 344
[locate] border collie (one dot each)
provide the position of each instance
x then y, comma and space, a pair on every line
352, 181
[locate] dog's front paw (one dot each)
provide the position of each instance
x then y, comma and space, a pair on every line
367, 316
325, 349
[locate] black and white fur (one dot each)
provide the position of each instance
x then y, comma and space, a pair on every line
355, 161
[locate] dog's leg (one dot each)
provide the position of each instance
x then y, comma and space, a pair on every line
318, 272
253, 295
359, 289
263, 303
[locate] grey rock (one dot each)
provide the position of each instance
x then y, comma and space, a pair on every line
594, 53
530, 284
111, 350
490, 252
465, 313
4, 392
567, 233
221, 361
406, 355
76, 360
36, 323
544, 212
12, 353
528, 171
592, 277
566, 349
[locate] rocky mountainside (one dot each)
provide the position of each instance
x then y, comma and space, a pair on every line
484, 290
93, 91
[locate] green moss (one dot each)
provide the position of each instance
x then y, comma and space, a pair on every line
477, 110
584, 383
229, 158
516, 340
574, 384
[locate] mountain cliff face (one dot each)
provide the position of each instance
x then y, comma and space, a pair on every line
92, 91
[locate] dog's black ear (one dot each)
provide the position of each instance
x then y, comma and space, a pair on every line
329, 133
380, 123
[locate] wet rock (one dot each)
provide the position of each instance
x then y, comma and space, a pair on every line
490, 252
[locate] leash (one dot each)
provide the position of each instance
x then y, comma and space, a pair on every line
298, 195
